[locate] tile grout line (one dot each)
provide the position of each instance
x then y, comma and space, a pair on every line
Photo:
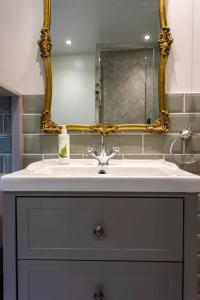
185, 113
142, 143
184, 97
31, 114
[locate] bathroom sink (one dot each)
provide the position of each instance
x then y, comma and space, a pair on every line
87, 168
119, 175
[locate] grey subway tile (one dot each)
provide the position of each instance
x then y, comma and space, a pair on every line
49, 144
50, 156
76, 156
42, 144
55, 156
28, 159
5, 143
7, 123
33, 103
32, 144
160, 144
5, 105
175, 102
31, 123
143, 156
181, 121
128, 144
193, 145
192, 102
79, 143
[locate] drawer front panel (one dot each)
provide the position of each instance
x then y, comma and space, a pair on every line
126, 228
41, 280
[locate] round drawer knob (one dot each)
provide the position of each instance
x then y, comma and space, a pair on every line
99, 295
98, 231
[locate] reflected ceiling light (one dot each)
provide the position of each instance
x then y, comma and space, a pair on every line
147, 37
68, 42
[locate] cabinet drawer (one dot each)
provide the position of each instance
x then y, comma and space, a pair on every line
39, 280
131, 228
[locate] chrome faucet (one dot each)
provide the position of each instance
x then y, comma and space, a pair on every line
102, 155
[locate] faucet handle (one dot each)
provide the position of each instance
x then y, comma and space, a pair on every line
91, 150
115, 150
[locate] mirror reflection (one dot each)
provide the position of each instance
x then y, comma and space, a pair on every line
105, 61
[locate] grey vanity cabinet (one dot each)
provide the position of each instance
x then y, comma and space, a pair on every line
114, 280
70, 246
140, 228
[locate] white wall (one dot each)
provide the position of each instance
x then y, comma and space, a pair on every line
73, 88
183, 70
20, 63
20, 24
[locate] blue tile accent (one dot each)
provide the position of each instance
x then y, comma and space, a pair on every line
7, 123
5, 143
5, 105
8, 163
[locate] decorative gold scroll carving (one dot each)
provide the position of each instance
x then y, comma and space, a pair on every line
160, 126
45, 43
47, 125
165, 41
104, 128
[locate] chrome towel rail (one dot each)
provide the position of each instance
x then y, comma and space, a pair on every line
185, 134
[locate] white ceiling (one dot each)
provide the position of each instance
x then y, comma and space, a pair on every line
91, 22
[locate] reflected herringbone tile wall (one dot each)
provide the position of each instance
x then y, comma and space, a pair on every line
127, 85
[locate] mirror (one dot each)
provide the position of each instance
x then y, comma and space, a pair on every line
108, 68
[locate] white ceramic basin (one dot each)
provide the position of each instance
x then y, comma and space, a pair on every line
87, 168
121, 175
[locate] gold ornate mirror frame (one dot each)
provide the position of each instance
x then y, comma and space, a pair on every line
160, 125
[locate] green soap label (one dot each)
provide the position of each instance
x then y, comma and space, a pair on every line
63, 153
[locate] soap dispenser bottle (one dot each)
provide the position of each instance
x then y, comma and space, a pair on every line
64, 146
